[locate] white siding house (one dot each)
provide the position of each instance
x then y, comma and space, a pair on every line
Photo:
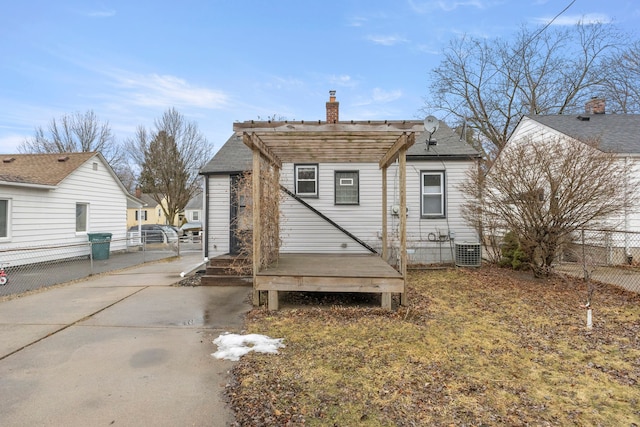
58, 199
615, 133
336, 207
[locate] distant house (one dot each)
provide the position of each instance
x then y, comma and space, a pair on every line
334, 207
193, 210
615, 133
150, 213
57, 199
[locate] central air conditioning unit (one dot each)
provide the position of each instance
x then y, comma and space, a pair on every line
468, 254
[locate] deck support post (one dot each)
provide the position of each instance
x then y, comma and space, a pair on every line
403, 219
386, 300
385, 255
273, 301
256, 223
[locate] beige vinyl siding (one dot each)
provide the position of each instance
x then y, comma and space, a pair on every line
218, 215
423, 234
304, 231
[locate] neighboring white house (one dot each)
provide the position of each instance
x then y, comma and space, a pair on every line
615, 133
193, 210
336, 207
58, 199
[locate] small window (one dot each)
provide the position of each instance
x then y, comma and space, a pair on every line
347, 190
4, 218
306, 180
195, 216
82, 217
433, 193
141, 215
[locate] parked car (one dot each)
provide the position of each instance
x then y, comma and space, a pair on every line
194, 227
155, 233
171, 234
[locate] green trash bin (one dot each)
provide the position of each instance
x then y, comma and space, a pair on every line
100, 243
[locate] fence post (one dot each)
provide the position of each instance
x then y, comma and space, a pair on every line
584, 256
91, 257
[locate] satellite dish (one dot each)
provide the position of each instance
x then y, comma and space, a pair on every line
431, 124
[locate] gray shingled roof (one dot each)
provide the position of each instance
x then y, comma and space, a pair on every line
235, 157
448, 144
617, 133
232, 157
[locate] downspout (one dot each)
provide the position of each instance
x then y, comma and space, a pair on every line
206, 217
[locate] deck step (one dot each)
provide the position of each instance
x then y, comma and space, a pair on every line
219, 273
225, 280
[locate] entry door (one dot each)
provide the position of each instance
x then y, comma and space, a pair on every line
238, 205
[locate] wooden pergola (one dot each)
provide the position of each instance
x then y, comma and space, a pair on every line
381, 142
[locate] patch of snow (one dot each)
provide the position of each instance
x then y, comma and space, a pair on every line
233, 346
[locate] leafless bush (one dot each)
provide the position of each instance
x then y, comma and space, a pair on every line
269, 219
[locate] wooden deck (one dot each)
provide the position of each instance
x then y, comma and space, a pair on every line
329, 273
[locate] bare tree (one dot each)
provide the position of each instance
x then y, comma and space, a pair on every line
621, 86
546, 190
79, 132
169, 159
490, 84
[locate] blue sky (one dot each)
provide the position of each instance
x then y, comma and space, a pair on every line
221, 61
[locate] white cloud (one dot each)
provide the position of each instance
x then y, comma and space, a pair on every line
101, 13
448, 6
357, 21
568, 20
386, 40
383, 96
9, 143
343, 80
233, 346
379, 96
165, 90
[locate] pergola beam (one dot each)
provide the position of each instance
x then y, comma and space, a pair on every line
254, 142
404, 141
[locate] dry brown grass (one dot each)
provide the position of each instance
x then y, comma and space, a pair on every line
474, 347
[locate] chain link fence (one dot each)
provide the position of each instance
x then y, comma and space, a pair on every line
35, 267
606, 256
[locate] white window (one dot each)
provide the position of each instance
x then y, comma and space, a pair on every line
306, 180
82, 217
195, 216
433, 194
141, 215
5, 210
347, 188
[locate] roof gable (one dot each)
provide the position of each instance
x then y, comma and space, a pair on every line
40, 169
617, 133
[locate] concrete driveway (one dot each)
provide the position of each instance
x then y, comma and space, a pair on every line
125, 348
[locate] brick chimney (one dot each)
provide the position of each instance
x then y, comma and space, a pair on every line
595, 106
332, 108
138, 192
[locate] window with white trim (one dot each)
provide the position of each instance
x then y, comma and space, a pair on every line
141, 215
195, 216
433, 194
5, 209
82, 217
347, 191
306, 177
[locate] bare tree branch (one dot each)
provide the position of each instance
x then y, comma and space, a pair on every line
169, 159
491, 84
